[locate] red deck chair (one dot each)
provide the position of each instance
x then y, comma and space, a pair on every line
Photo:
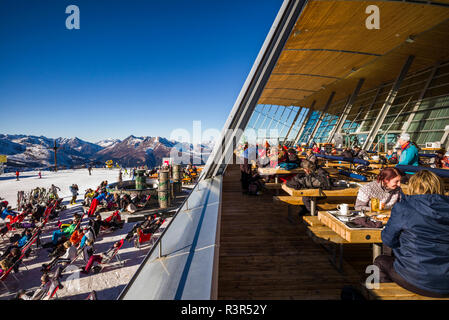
5, 274
142, 238
115, 214
115, 253
27, 246
52, 292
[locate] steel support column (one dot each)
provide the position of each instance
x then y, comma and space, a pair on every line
387, 104
379, 89
293, 123
420, 98
306, 119
347, 110
320, 119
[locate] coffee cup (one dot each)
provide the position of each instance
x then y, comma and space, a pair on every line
343, 208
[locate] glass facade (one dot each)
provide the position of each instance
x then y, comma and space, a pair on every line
420, 108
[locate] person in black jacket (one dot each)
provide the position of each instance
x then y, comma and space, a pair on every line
417, 232
312, 178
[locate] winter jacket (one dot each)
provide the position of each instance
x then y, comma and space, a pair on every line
101, 197
70, 253
69, 230
76, 237
7, 212
417, 231
409, 156
288, 165
23, 241
315, 180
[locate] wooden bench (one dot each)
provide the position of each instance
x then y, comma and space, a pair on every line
294, 201
273, 186
312, 221
392, 291
325, 236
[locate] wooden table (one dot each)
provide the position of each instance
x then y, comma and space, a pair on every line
355, 235
276, 172
314, 193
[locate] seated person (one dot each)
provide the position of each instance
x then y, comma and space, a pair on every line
3, 204
347, 153
76, 236
88, 236
125, 201
292, 157
445, 161
391, 157
96, 224
360, 153
310, 156
48, 285
409, 151
437, 162
66, 255
96, 201
10, 260
88, 250
151, 219
315, 148
417, 233
38, 212
99, 258
8, 213
312, 178
114, 221
66, 232
387, 188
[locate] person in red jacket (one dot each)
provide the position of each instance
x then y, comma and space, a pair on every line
17, 175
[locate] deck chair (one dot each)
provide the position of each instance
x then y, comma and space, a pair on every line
5, 275
97, 267
115, 253
54, 285
142, 238
92, 296
34, 239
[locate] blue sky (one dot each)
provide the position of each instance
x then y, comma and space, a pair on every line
138, 67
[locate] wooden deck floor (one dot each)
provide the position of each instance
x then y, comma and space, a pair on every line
263, 256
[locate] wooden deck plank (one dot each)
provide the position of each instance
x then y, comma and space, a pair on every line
263, 256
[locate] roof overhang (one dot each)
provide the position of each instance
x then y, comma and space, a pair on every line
330, 49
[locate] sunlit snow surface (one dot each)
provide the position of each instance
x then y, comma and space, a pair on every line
112, 279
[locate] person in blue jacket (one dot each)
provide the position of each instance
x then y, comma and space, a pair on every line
96, 201
418, 234
8, 212
409, 151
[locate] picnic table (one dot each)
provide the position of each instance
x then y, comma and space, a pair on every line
355, 235
314, 193
277, 171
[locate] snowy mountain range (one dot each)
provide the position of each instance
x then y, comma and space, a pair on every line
25, 151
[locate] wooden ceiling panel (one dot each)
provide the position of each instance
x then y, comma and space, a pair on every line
333, 49
340, 25
327, 64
